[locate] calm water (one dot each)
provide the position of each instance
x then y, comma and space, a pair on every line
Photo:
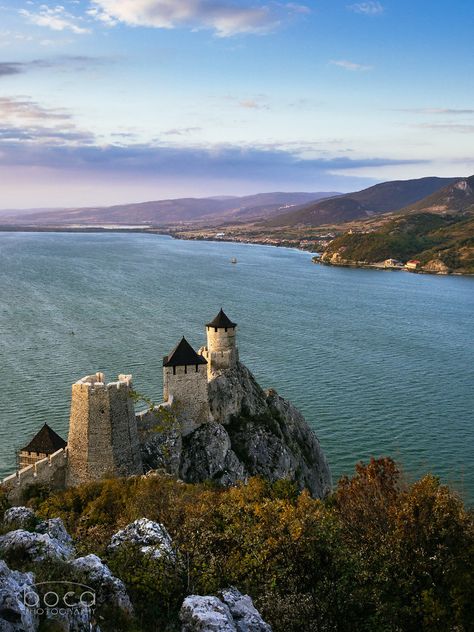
379, 362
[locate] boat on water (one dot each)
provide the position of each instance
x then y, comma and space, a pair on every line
233, 260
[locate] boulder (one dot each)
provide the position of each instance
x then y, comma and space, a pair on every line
110, 589
151, 537
15, 615
230, 612
54, 527
246, 617
20, 518
33, 547
205, 614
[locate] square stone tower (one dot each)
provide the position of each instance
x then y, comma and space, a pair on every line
221, 352
103, 436
185, 386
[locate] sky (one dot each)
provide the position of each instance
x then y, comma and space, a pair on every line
114, 101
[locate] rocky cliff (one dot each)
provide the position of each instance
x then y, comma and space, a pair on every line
253, 433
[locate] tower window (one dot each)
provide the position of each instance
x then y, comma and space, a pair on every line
197, 368
174, 370
226, 330
185, 368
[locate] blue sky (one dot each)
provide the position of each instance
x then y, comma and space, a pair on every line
111, 101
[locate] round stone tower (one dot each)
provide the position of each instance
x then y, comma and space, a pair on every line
185, 386
221, 352
103, 436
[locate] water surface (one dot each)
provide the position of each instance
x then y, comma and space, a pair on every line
379, 362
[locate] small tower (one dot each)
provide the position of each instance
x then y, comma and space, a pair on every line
221, 352
103, 436
185, 385
43, 444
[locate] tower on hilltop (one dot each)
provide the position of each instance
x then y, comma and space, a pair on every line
221, 352
103, 436
185, 385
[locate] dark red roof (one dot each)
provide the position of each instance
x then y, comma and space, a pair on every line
221, 321
183, 355
45, 442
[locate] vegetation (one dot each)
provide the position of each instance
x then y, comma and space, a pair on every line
378, 554
424, 236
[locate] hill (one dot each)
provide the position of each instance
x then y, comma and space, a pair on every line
166, 212
381, 198
442, 242
456, 197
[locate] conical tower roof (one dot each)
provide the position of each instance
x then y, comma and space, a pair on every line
183, 355
45, 442
221, 321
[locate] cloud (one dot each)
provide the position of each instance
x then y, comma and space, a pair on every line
65, 62
458, 128
55, 18
181, 131
24, 108
10, 68
225, 17
367, 8
350, 65
448, 111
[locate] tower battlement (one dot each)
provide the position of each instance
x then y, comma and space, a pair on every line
103, 436
221, 351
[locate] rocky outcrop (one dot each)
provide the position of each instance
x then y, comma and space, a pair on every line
110, 589
151, 537
33, 547
232, 612
15, 615
254, 432
436, 266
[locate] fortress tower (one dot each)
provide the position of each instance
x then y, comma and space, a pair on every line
103, 437
185, 385
221, 352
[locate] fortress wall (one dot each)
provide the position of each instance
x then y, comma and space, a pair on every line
188, 389
49, 471
103, 436
124, 432
221, 340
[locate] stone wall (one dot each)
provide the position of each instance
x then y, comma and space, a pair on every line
187, 388
221, 352
103, 437
49, 471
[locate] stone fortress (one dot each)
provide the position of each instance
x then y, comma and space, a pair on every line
104, 429
215, 423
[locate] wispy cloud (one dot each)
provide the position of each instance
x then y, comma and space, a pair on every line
449, 111
181, 131
457, 128
56, 18
367, 8
25, 108
10, 68
64, 62
225, 17
350, 65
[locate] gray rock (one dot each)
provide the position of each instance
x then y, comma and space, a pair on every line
205, 614
232, 612
20, 517
54, 527
254, 432
246, 617
109, 588
152, 538
15, 615
207, 454
34, 547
